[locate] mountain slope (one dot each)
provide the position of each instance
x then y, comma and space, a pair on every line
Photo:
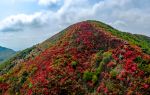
139, 40
29, 53
83, 59
5, 53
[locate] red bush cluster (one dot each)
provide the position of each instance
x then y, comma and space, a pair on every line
60, 68
4, 86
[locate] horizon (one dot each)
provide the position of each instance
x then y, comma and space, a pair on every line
29, 22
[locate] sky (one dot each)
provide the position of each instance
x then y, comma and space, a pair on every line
24, 23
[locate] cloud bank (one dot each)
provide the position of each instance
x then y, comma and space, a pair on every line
127, 15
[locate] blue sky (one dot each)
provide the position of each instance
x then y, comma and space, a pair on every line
24, 23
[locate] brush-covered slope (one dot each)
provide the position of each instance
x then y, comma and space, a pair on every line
29, 53
5, 53
136, 39
87, 58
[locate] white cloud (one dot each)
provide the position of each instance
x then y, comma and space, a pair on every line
48, 2
22, 21
125, 15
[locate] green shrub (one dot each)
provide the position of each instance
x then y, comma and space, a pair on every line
113, 73
94, 78
107, 56
99, 69
87, 75
99, 53
98, 58
138, 59
30, 85
74, 64
145, 67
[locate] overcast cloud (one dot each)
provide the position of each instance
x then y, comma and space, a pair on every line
22, 30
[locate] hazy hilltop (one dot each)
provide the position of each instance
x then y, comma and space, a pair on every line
87, 58
5, 53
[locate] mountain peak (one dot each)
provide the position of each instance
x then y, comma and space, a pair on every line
88, 57
88, 31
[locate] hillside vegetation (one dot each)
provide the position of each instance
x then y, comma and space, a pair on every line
87, 58
136, 39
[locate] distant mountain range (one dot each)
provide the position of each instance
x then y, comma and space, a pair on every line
87, 58
5, 53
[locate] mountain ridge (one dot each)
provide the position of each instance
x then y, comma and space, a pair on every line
85, 58
5, 53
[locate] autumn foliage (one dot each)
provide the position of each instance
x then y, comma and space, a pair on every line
85, 60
